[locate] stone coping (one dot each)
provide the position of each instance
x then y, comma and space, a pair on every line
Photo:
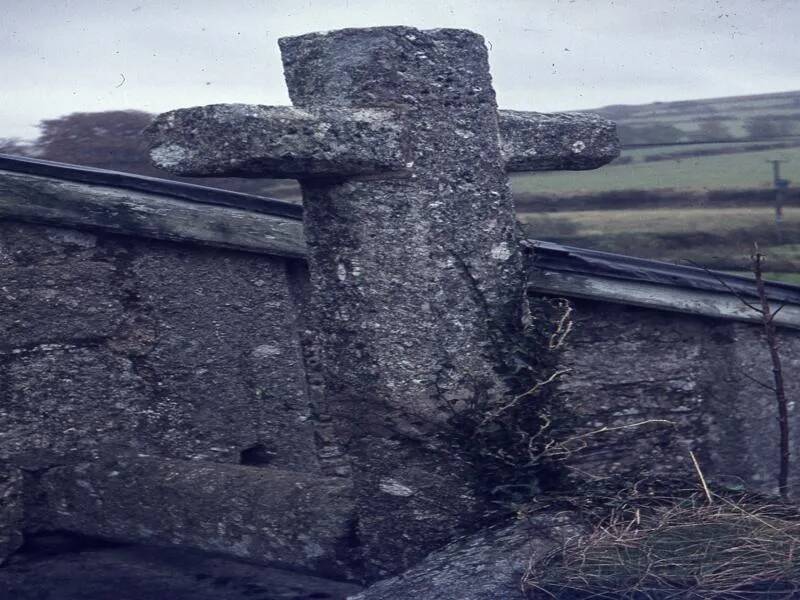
551, 257
174, 189
121, 203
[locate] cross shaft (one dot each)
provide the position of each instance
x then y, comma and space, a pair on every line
416, 273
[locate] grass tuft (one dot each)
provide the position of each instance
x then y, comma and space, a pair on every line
735, 547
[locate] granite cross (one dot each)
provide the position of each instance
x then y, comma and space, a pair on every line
412, 240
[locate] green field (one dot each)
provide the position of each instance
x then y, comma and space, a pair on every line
724, 171
730, 126
657, 201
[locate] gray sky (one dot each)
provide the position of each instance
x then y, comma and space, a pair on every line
62, 56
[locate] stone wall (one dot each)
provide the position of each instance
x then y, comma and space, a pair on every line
127, 362
628, 365
117, 345
155, 392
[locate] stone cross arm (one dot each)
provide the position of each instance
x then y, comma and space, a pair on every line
247, 140
286, 142
415, 268
532, 141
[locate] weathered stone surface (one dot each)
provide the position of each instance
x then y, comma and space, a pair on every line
742, 438
414, 278
533, 141
131, 346
51, 201
629, 365
40, 302
71, 400
385, 66
280, 141
266, 515
486, 566
12, 511
53, 245
225, 361
54, 570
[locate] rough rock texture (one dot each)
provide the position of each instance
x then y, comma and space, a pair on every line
533, 141
283, 141
12, 510
280, 141
267, 515
629, 365
87, 206
742, 439
486, 566
415, 278
116, 345
416, 274
58, 567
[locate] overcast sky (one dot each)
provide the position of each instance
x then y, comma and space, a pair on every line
62, 56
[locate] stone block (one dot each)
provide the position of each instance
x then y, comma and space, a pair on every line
126, 346
742, 439
281, 141
225, 363
74, 301
669, 383
11, 510
26, 245
264, 515
488, 565
74, 401
547, 142
412, 276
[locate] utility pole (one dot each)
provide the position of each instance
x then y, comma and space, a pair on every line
780, 186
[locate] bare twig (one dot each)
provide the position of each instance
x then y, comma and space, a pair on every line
776, 311
564, 448
564, 325
767, 319
700, 475
513, 402
727, 286
607, 429
759, 382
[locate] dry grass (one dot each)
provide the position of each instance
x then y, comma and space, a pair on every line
734, 547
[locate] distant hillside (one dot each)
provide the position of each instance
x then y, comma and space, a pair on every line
694, 183
735, 118
672, 151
